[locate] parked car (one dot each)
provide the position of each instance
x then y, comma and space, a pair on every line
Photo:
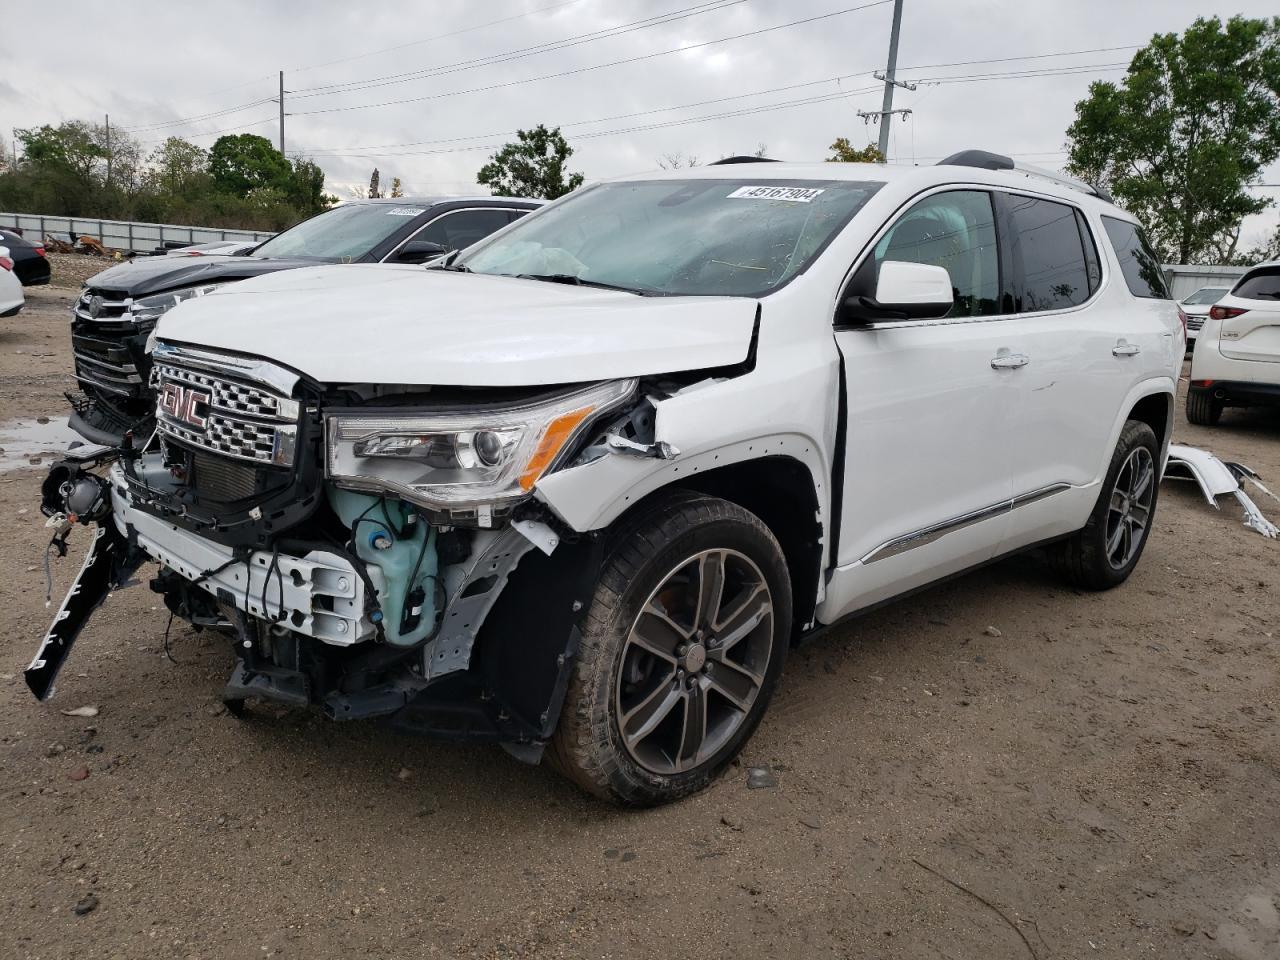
1237, 357
11, 296
1196, 307
636, 446
225, 248
118, 308
30, 264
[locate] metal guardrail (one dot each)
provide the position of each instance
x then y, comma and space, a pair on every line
123, 234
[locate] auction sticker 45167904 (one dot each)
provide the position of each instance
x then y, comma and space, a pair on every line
794, 194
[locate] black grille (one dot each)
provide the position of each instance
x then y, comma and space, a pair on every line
222, 479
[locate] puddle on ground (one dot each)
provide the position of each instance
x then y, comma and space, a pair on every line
21, 441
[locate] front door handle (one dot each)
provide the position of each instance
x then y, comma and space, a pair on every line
1125, 349
1009, 361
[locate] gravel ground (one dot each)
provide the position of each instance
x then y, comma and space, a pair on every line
997, 768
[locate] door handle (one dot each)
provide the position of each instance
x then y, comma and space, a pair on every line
1009, 361
1125, 349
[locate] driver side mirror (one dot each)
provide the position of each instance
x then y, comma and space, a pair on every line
419, 251
904, 291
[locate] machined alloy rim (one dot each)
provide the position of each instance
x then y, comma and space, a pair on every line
694, 661
1129, 511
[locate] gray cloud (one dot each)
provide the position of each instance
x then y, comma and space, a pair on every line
147, 64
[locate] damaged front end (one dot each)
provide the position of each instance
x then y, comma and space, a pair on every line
373, 552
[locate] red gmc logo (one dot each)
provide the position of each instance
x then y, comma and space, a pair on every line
185, 404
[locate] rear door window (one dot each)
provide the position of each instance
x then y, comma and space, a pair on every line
1138, 264
1051, 271
1259, 285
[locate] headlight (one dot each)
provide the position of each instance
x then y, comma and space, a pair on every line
463, 460
150, 308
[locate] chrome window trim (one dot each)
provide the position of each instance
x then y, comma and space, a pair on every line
449, 213
1104, 260
935, 532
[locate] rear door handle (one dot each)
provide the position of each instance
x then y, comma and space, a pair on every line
1009, 361
1125, 349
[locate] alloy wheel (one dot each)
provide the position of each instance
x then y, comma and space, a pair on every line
694, 661
1130, 509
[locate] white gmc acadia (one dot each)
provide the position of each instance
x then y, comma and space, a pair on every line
578, 488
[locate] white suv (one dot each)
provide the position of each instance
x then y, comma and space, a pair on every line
1237, 357
580, 487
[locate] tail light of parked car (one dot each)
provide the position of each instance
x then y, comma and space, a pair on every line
1225, 313
39, 251
6, 263
1183, 317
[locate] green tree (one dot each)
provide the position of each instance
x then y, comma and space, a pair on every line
243, 162
178, 167
396, 189
531, 166
842, 151
1177, 141
306, 188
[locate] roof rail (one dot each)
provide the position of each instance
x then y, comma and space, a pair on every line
984, 160
723, 160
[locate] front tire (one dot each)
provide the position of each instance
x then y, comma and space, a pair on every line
1103, 553
682, 647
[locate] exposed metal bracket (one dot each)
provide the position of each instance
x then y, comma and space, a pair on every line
659, 449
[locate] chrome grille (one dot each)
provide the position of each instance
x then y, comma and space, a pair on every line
224, 414
98, 305
1194, 323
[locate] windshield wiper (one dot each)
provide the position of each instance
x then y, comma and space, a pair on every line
576, 281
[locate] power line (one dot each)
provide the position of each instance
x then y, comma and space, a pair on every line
438, 36
599, 66
605, 33
234, 109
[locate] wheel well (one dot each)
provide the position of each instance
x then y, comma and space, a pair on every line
1155, 411
780, 491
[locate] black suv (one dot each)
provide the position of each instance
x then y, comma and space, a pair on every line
118, 308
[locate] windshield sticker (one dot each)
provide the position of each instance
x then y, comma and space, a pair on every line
793, 194
403, 212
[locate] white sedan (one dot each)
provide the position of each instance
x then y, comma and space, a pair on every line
11, 299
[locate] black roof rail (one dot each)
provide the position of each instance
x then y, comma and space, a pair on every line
982, 159
724, 160
985, 160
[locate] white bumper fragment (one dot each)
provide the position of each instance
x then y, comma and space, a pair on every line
320, 595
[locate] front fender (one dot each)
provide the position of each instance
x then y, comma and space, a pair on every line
593, 495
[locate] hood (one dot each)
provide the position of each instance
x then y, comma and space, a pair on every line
408, 325
147, 275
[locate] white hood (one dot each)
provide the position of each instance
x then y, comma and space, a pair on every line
408, 325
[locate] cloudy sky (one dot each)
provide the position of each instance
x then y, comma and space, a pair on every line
425, 91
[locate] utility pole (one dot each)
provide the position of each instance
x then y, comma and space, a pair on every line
886, 111
282, 113
107, 118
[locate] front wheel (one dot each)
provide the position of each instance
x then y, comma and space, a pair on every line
1103, 553
682, 647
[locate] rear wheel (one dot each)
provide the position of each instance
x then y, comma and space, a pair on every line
682, 647
1104, 552
1203, 409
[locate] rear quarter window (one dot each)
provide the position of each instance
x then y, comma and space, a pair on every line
1262, 284
1138, 264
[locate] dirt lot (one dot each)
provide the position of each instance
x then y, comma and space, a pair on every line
1097, 776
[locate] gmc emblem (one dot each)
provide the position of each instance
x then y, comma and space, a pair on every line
185, 404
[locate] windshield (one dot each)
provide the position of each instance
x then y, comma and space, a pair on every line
344, 233
678, 237
1206, 295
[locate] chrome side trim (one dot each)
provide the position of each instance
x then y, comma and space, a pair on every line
937, 531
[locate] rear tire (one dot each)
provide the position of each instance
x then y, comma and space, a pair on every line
643, 724
1103, 553
1202, 409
